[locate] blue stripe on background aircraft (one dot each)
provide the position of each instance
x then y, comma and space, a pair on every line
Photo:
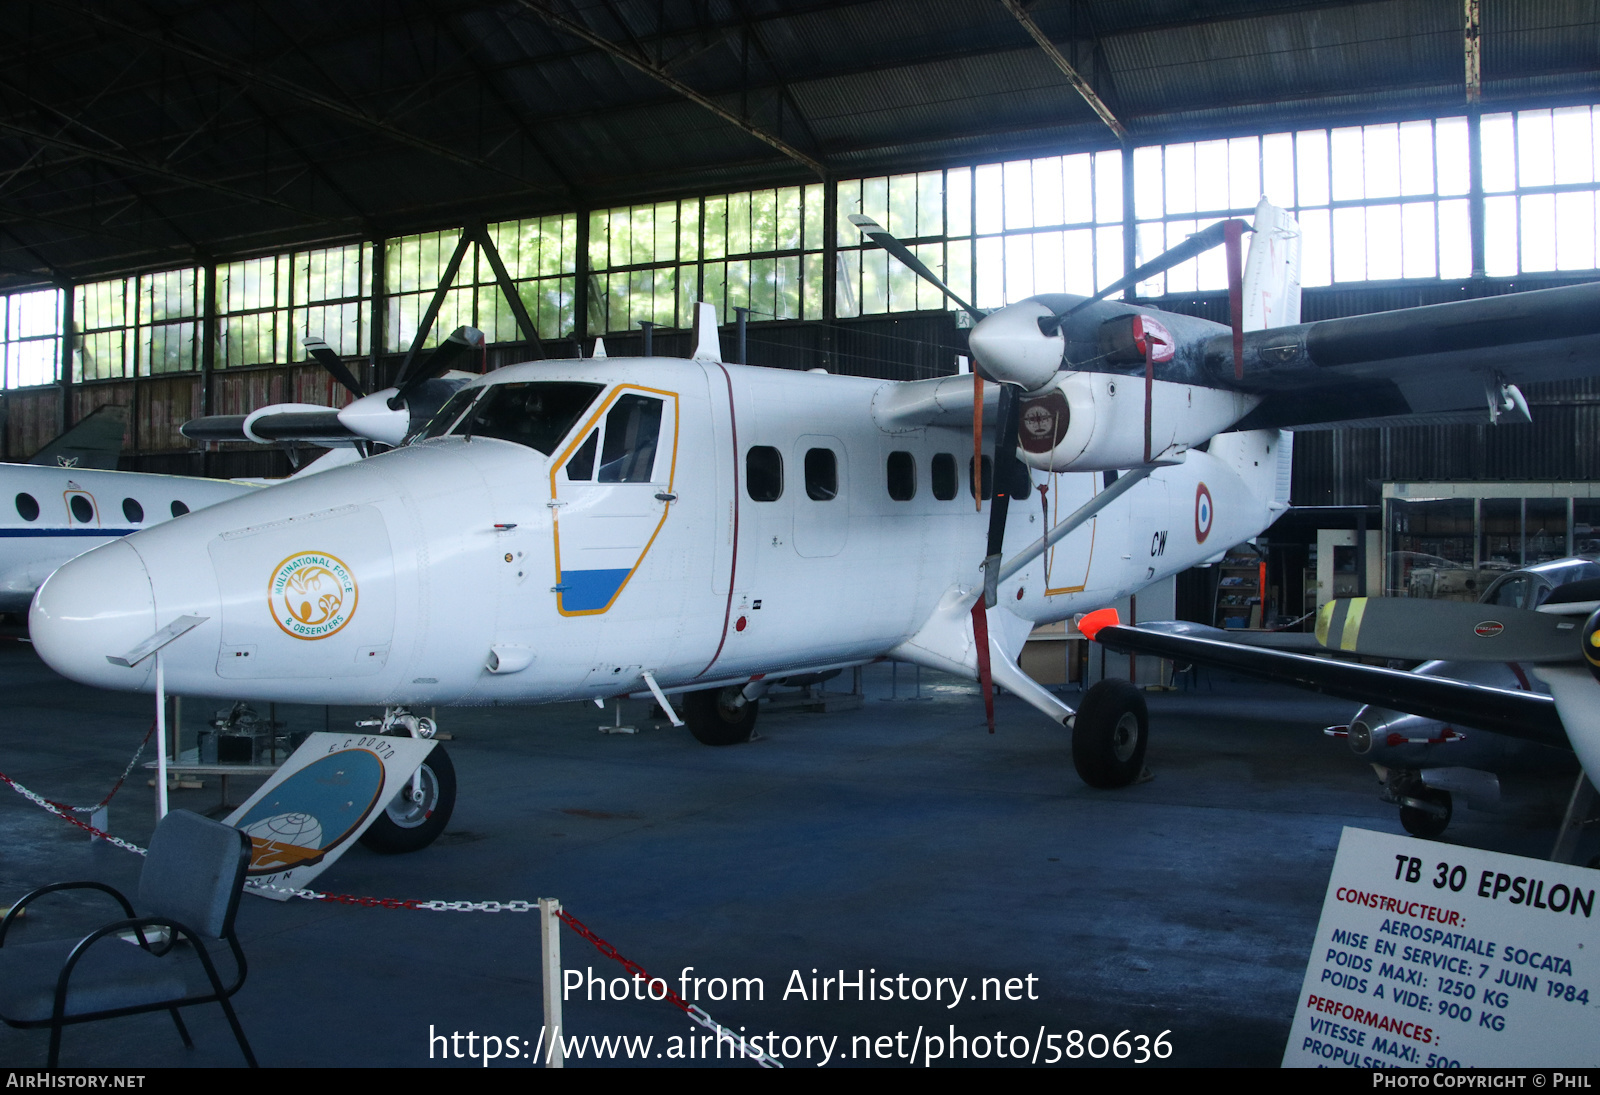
700, 530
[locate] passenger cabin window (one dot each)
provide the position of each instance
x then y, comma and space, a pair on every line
27, 507
133, 511
179, 509
902, 473
82, 509
944, 476
763, 473
633, 427
580, 469
822, 475
988, 478
535, 414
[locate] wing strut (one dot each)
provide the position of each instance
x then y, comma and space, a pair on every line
1125, 482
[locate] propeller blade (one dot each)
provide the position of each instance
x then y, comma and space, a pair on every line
329, 360
1417, 629
1197, 244
880, 236
1005, 470
461, 341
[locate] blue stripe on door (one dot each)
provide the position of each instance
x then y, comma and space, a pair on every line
589, 590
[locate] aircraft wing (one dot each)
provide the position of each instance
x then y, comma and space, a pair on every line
1526, 715
1439, 362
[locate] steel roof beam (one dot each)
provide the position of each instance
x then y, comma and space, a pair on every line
1079, 84
233, 69
659, 74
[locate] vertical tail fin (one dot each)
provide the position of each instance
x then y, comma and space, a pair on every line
1272, 271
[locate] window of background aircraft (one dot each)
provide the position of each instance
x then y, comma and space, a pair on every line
944, 476
179, 509
902, 473
133, 511
580, 469
537, 415
633, 427
82, 509
988, 478
27, 507
763, 473
822, 475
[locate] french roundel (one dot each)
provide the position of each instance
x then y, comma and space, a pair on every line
1202, 514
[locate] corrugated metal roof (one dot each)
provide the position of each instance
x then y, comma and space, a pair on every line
157, 134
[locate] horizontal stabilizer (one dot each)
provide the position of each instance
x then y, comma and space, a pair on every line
1417, 629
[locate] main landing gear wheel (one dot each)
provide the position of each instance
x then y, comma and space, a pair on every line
1109, 735
1425, 812
720, 716
409, 826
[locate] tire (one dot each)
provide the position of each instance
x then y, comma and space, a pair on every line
713, 720
405, 826
1425, 823
1109, 735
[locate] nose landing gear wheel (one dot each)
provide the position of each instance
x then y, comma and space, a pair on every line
716, 717
408, 826
1109, 735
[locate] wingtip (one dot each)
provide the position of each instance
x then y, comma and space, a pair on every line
1090, 624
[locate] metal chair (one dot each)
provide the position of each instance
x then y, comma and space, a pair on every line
190, 887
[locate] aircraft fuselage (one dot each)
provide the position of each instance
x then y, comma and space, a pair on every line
701, 522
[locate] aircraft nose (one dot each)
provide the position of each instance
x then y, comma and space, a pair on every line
96, 605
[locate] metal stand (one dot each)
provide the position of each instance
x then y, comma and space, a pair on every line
550, 953
1579, 807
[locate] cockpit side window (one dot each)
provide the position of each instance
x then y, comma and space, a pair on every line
535, 414
1511, 592
580, 469
633, 428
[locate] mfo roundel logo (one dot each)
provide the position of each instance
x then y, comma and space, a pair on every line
1202, 514
312, 595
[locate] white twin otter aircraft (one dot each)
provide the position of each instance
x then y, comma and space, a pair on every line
697, 530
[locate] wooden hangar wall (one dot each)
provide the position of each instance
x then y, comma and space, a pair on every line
1394, 214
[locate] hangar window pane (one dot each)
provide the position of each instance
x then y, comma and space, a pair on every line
758, 250
944, 476
995, 235
30, 337
763, 473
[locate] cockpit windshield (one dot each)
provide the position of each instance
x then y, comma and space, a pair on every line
537, 414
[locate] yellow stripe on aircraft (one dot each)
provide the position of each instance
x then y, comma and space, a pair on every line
1352, 623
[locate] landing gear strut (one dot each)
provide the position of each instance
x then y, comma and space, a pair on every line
421, 809
720, 716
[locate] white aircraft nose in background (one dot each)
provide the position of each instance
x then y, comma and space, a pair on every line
105, 607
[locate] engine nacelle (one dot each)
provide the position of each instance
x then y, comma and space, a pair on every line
1104, 422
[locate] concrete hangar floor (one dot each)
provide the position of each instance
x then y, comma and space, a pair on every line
899, 838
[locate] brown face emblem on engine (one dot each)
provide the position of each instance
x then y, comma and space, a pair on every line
1044, 422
